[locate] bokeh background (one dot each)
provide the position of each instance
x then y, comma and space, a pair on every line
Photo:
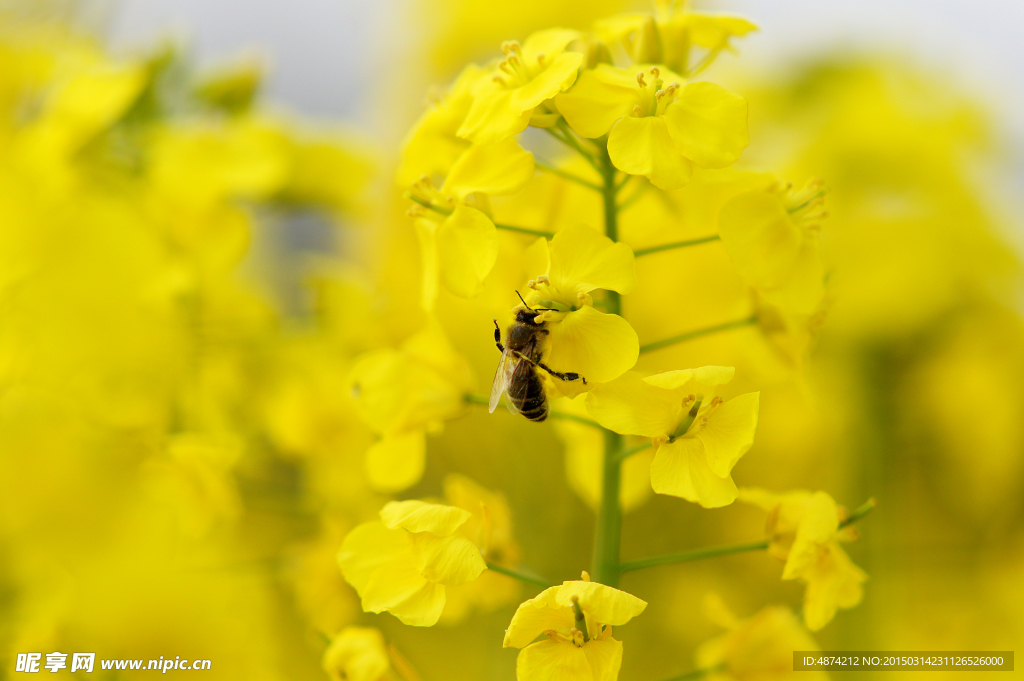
195, 246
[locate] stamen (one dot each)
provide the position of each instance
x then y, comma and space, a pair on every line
637, 110
540, 59
659, 94
640, 79
499, 80
655, 71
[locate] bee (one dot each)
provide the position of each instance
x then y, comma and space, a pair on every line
517, 374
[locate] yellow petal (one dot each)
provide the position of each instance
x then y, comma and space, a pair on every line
631, 406
599, 98
604, 657
426, 233
370, 546
356, 654
546, 84
535, 616
818, 525
491, 118
681, 469
449, 560
496, 169
833, 583
395, 462
467, 247
549, 42
729, 432
761, 238
804, 288
708, 124
553, 661
597, 346
700, 380
419, 516
643, 146
600, 603
421, 607
581, 260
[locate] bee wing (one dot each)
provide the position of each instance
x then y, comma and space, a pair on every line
518, 383
502, 376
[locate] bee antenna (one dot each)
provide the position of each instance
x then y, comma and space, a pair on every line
524, 302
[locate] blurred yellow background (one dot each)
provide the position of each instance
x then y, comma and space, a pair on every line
188, 271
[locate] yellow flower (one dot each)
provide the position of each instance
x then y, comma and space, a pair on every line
698, 437
357, 654
596, 345
772, 237
490, 528
507, 95
401, 395
759, 648
804, 531
670, 38
567, 653
584, 460
656, 126
403, 563
458, 242
432, 146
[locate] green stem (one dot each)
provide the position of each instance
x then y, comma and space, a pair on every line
626, 453
485, 401
581, 619
607, 534
566, 137
509, 228
861, 511
566, 175
712, 551
690, 335
697, 554
698, 673
521, 576
675, 244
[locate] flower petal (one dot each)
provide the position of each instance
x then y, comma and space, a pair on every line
631, 406
729, 432
834, 582
761, 238
467, 247
450, 560
421, 608
426, 233
419, 516
498, 169
549, 42
599, 98
708, 124
818, 525
535, 616
582, 259
369, 547
643, 146
546, 84
550, 660
491, 118
395, 462
681, 469
604, 657
357, 654
597, 346
600, 603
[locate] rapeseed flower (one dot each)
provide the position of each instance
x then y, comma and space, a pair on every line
402, 395
507, 95
672, 35
596, 345
458, 240
577, 619
402, 563
759, 648
697, 436
772, 237
658, 125
357, 654
804, 531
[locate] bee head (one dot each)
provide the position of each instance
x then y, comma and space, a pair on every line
525, 315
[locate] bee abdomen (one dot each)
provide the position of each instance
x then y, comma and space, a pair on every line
534, 405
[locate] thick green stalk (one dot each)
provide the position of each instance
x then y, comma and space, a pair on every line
682, 338
609, 514
520, 575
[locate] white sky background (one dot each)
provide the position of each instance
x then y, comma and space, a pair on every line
324, 54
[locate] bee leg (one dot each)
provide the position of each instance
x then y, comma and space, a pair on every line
567, 376
497, 336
